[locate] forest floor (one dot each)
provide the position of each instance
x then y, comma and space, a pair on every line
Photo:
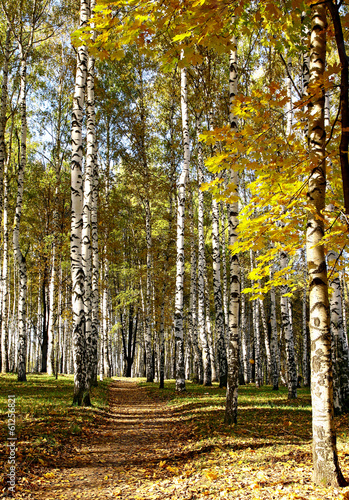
139, 442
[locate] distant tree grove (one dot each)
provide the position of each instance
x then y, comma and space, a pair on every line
174, 197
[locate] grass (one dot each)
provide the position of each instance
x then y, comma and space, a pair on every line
266, 455
270, 445
46, 422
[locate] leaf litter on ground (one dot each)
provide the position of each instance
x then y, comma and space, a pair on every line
158, 444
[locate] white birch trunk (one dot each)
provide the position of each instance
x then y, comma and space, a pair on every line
340, 355
206, 358
20, 258
148, 297
95, 271
178, 321
326, 469
209, 325
90, 334
77, 270
218, 300
4, 98
245, 335
89, 231
305, 82
274, 345
266, 340
4, 281
305, 360
104, 365
286, 322
234, 292
224, 267
4, 210
256, 338
51, 330
192, 315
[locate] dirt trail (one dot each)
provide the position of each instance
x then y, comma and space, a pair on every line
135, 442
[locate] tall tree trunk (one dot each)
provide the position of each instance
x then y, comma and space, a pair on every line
4, 210
148, 298
206, 358
245, 335
4, 162
95, 271
234, 295
104, 355
92, 145
20, 258
266, 340
256, 338
339, 351
4, 281
224, 267
192, 314
287, 329
52, 319
44, 322
274, 345
305, 80
77, 269
326, 467
178, 322
305, 360
87, 251
209, 325
218, 300
334, 7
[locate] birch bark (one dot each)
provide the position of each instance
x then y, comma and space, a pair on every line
325, 459
4, 210
20, 258
192, 316
287, 329
274, 345
77, 269
206, 357
218, 300
234, 293
305, 360
148, 297
178, 320
339, 350
91, 333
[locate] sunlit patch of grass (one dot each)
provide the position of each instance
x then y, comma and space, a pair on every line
46, 421
268, 452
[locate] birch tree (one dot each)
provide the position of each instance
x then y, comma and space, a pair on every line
234, 292
77, 270
178, 320
88, 245
206, 357
4, 208
325, 459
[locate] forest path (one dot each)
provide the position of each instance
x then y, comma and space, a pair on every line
127, 452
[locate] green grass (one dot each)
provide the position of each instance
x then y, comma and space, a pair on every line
262, 413
46, 421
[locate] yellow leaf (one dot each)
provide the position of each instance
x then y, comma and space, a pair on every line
211, 476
